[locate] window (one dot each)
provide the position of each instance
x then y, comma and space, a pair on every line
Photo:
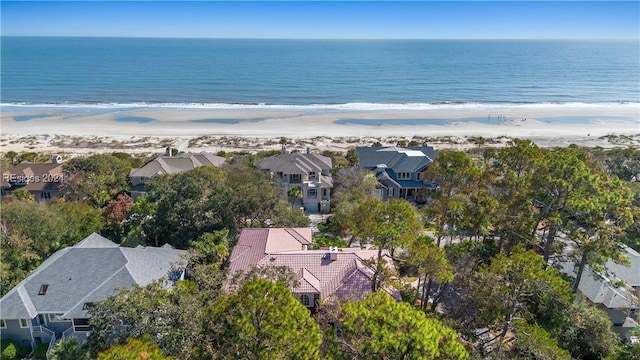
24, 323
304, 299
81, 325
295, 178
56, 317
404, 176
390, 192
324, 192
45, 195
3, 325
312, 193
312, 175
43, 289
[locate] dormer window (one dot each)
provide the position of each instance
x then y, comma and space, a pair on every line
43, 289
88, 305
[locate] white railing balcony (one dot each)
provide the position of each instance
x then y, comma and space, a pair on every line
68, 332
80, 335
42, 330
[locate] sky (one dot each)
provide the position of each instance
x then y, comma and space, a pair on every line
325, 20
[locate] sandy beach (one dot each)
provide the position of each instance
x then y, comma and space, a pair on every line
143, 129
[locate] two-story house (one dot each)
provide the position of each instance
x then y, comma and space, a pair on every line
616, 290
169, 164
43, 181
310, 172
322, 274
52, 302
398, 170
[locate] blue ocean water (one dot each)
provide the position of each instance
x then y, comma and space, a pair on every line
324, 73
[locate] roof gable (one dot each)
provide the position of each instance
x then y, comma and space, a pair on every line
295, 163
92, 269
95, 241
176, 164
318, 271
398, 159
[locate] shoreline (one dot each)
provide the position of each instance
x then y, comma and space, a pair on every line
48, 129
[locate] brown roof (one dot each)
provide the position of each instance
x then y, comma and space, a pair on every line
176, 164
341, 273
34, 177
295, 163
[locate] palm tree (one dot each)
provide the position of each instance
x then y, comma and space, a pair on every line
68, 349
294, 193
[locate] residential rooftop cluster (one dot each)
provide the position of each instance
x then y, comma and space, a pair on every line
332, 234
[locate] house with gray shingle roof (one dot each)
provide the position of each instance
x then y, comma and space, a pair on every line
322, 274
52, 302
168, 164
42, 180
310, 172
398, 169
616, 290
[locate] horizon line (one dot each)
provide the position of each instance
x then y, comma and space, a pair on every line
294, 38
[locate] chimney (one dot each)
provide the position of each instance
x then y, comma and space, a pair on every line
284, 149
333, 253
308, 150
167, 151
56, 159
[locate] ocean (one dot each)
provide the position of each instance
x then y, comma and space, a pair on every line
315, 74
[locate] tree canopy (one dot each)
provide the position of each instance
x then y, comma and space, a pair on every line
379, 327
263, 320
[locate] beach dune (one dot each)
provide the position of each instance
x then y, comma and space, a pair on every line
546, 124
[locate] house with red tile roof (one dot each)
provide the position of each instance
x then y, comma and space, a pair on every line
322, 274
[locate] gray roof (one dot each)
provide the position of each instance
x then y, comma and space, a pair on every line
90, 271
599, 287
295, 163
601, 291
398, 159
176, 164
629, 274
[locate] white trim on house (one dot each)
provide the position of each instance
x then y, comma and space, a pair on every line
57, 317
24, 325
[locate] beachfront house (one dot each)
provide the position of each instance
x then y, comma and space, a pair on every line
52, 302
309, 172
169, 164
615, 290
398, 169
322, 275
43, 181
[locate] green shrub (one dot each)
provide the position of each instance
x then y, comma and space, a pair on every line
9, 349
41, 351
